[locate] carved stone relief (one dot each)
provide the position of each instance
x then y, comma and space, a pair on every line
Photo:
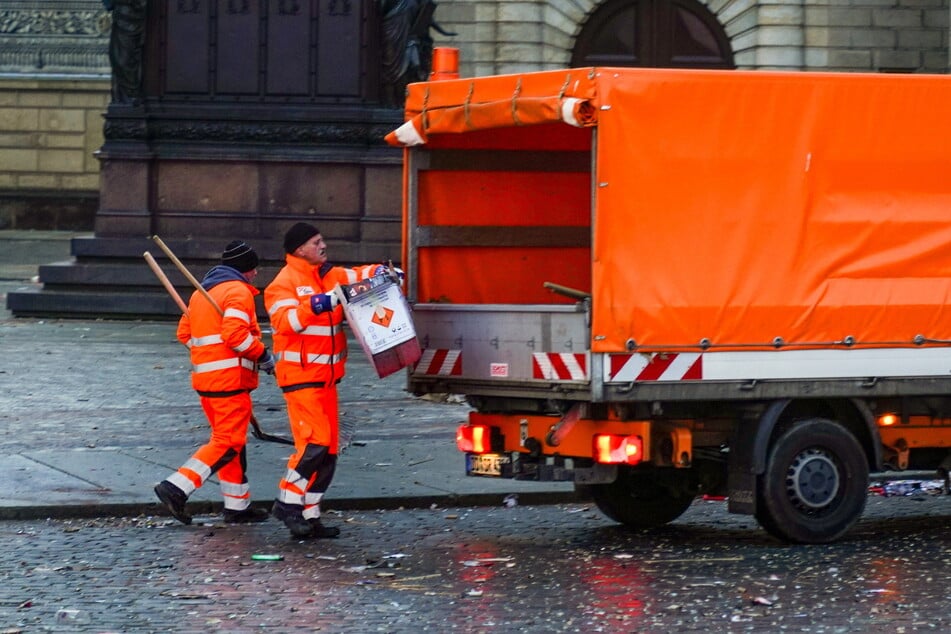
54, 36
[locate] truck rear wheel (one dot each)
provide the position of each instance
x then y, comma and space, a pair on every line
815, 484
644, 500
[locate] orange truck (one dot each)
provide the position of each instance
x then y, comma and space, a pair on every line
662, 283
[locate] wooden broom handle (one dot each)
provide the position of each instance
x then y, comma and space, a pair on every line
187, 274
159, 273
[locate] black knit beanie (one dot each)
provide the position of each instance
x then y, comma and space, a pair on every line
238, 255
298, 235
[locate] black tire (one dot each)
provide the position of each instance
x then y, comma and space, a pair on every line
815, 484
644, 500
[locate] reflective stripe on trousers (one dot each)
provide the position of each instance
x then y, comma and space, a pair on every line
224, 454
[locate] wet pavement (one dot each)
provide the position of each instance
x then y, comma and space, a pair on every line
535, 569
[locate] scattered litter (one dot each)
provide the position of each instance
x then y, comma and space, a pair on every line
486, 561
185, 596
692, 560
762, 601
383, 464
69, 616
395, 556
623, 556
510, 500
452, 517
906, 488
263, 557
383, 564
474, 593
386, 574
452, 399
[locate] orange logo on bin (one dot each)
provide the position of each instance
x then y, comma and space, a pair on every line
382, 316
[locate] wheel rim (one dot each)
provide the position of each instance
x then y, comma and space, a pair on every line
812, 481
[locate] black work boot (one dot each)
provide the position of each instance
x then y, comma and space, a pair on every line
245, 516
293, 519
320, 530
174, 500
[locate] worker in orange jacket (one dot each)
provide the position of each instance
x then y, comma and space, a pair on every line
226, 355
311, 350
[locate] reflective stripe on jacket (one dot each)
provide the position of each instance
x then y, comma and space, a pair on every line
223, 348
309, 348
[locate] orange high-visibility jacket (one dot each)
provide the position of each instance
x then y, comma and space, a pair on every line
310, 349
223, 348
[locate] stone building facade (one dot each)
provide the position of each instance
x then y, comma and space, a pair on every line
54, 88
54, 71
503, 36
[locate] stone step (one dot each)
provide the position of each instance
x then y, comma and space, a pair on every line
109, 277
108, 304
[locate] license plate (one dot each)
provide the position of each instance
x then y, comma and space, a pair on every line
492, 465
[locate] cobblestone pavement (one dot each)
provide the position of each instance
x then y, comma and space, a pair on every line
553, 568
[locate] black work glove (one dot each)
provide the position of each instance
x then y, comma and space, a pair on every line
266, 362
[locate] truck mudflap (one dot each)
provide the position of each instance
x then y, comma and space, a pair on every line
516, 466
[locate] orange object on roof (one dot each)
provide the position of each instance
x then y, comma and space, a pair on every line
729, 209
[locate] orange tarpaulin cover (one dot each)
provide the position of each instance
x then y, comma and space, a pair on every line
743, 209
477, 105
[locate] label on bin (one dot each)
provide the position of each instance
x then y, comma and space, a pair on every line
379, 317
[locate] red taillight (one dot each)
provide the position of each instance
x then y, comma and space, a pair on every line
473, 438
611, 449
887, 420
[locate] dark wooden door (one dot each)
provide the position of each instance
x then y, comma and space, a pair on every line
654, 33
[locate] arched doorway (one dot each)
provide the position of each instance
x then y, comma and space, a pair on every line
654, 33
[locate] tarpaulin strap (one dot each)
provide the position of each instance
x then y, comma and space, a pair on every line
564, 86
518, 91
424, 115
465, 106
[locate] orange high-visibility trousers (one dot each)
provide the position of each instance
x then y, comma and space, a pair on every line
225, 452
314, 421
